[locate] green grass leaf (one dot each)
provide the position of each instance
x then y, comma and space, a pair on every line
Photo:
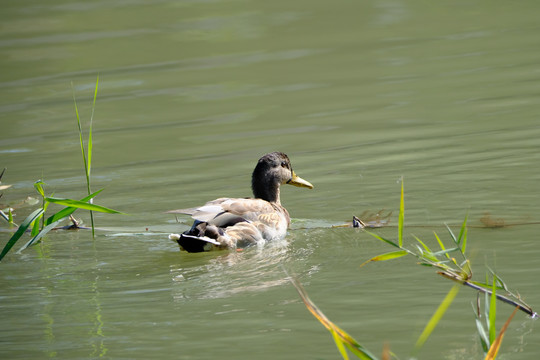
339, 335
20, 231
494, 349
81, 205
387, 256
423, 245
90, 129
38, 185
69, 210
339, 344
463, 229
484, 340
39, 235
437, 316
401, 215
493, 312
441, 244
383, 239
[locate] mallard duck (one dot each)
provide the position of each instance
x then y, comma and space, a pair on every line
227, 223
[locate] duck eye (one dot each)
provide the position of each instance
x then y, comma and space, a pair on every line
284, 164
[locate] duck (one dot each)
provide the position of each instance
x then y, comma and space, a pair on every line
230, 223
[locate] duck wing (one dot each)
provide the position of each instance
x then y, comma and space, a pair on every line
225, 212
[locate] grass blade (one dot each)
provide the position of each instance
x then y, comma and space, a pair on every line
441, 245
483, 336
462, 230
437, 316
383, 239
464, 242
90, 130
39, 235
69, 210
337, 332
340, 345
494, 349
401, 216
387, 256
54, 220
81, 205
423, 245
20, 231
493, 312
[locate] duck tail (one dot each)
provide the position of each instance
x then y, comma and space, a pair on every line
196, 239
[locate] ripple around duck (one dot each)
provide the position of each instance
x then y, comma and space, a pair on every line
255, 269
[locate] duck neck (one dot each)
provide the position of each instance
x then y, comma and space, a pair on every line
266, 189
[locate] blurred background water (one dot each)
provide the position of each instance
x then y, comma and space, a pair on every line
191, 94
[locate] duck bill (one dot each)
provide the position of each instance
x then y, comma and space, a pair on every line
298, 181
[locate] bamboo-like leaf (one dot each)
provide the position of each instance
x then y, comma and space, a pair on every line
90, 128
339, 344
494, 349
483, 336
336, 331
39, 235
451, 233
464, 242
485, 286
20, 231
493, 312
81, 205
441, 244
69, 210
38, 185
383, 239
445, 252
424, 245
463, 229
437, 316
386, 256
401, 216
35, 225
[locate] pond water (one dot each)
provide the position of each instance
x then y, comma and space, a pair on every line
191, 94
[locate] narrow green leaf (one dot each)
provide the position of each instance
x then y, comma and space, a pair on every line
345, 338
464, 242
422, 243
441, 245
437, 316
39, 235
361, 354
483, 336
38, 185
445, 252
69, 210
386, 256
493, 312
463, 229
494, 349
383, 239
20, 231
35, 225
339, 345
81, 205
484, 285
401, 216
80, 129
90, 128
451, 234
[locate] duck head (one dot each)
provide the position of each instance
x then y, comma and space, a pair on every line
273, 170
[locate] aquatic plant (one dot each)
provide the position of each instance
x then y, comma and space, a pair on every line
32, 221
446, 266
